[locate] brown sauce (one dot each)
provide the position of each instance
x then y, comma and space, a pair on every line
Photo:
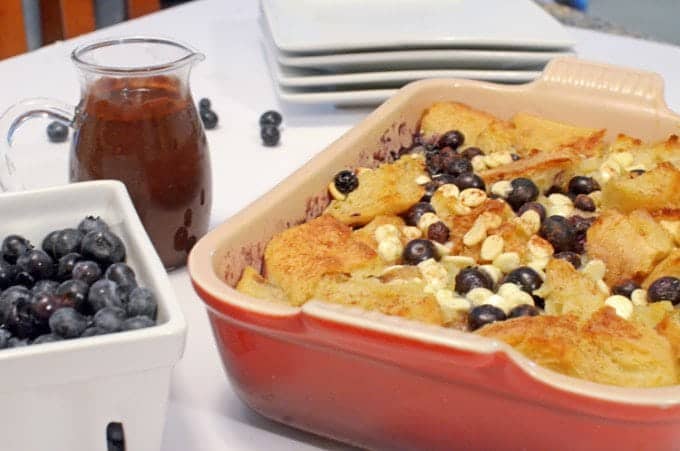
146, 133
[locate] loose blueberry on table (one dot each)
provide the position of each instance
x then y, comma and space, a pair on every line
77, 285
208, 116
269, 127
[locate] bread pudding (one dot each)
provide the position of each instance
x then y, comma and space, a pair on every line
540, 234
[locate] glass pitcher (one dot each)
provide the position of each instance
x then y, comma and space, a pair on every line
136, 122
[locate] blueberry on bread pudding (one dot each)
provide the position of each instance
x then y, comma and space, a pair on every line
529, 231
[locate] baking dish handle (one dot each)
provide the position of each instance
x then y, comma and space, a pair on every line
624, 84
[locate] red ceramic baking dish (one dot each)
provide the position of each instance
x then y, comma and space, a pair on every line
387, 383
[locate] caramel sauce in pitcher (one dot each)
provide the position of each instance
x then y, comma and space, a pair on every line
146, 133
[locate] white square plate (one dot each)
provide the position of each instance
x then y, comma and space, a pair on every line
322, 26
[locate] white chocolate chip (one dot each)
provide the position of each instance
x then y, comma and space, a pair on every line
426, 220
411, 233
595, 269
490, 220
500, 302
531, 221
390, 249
337, 195
502, 188
442, 249
478, 163
472, 197
507, 261
451, 305
621, 304
610, 168
475, 235
538, 264
497, 159
559, 210
492, 247
602, 286
639, 296
460, 209
423, 180
539, 248
460, 261
386, 231
449, 190
479, 295
559, 199
493, 272
514, 295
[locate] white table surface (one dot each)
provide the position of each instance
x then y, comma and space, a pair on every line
204, 412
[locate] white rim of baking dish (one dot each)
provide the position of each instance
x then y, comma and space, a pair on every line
640, 88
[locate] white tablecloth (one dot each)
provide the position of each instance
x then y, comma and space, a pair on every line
204, 413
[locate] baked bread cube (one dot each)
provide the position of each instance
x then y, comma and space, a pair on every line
404, 298
669, 266
630, 244
388, 190
445, 116
253, 284
656, 189
297, 258
568, 291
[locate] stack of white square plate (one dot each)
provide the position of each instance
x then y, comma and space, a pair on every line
354, 52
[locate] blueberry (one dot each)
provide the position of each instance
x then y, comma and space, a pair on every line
559, 232
582, 185
345, 181
7, 274
625, 288
438, 160
538, 208
452, 139
104, 247
68, 323
571, 257
74, 293
665, 289
142, 302
472, 277
515, 157
438, 232
580, 227
24, 279
416, 211
270, 135
430, 188
45, 304
15, 342
417, 251
484, 314
45, 286
637, 172
124, 277
457, 166
57, 132
523, 191
523, 310
92, 331
471, 152
204, 104
469, 180
13, 246
46, 338
48, 242
66, 264
87, 271
271, 117
584, 202
104, 293
10, 297
137, 322
22, 322
67, 241
110, 319
37, 263
92, 223
209, 119
5, 335
525, 277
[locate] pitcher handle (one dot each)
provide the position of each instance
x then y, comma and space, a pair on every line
12, 119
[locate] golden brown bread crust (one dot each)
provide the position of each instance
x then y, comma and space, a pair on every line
630, 245
445, 116
669, 266
253, 284
403, 298
297, 258
568, 291
656, 189
388, 190
605, 348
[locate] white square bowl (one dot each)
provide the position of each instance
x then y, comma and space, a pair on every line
62, 396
